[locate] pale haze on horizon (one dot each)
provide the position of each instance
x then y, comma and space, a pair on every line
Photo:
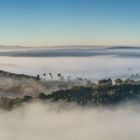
73, 22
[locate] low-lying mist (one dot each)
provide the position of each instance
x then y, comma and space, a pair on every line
59, 121
12, 87
19, 87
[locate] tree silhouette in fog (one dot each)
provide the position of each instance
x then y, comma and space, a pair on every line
51, 76
60, 76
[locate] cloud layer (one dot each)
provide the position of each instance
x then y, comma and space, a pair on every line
83, 51
69, 122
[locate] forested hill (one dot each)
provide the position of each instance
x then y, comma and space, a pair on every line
103, 93
16, 76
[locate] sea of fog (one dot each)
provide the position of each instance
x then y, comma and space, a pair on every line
63, 121
90, 63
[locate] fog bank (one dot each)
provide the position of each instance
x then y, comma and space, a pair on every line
128, 52
69, 122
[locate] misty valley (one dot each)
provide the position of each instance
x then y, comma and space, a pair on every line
65, 94
17, 89
69, 70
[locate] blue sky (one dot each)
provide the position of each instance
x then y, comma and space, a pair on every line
69, 22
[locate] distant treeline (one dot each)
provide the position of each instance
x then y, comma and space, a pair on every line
102, 93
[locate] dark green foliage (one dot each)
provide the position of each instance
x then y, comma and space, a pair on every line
38, 77
105, 82
42, 96
118, 81
10, 103
103, 93
6, 103
27, 98
80, 95
99, 94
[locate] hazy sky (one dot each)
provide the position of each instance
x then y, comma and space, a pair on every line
67, 22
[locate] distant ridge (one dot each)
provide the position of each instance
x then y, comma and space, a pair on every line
124, 47
6, 47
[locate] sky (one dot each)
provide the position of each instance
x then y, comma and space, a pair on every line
69, 22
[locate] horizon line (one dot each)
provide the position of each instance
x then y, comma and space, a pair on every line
34, 46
